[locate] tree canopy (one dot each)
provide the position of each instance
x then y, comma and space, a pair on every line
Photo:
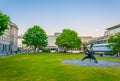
4, 20
114, 43
68, 39
35, 37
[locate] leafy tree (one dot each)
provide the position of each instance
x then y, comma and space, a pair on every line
68, 39
114, 43
4, 20
35, 37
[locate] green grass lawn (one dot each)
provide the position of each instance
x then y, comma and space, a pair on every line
49, 67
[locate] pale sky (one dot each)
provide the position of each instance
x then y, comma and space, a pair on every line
86, 17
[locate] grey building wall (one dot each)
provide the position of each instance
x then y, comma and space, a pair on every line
8, 41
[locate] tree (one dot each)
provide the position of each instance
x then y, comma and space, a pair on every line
35, 37
4, 20
114, 43
68, 39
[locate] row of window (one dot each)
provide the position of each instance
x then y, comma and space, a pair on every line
99, 41
4, 47
114, 31
101, 48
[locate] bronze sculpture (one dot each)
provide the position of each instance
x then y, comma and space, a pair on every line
90, 54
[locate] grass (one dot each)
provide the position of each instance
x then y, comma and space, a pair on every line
49, 67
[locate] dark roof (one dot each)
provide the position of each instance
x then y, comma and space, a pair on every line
116, 26
101, 37
13, 25
19, 36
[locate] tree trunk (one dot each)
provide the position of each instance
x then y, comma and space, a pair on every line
65, 49
118, 54
35, 49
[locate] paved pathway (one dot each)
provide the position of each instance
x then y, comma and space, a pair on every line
101, 63
111, 56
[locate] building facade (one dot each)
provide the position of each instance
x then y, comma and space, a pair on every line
112, 30
52, 39
5, 42
85, 41
8, 41
13, 36
51, 42
100, 43
20, 45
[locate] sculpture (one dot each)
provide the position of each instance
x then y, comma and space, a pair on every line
90, 54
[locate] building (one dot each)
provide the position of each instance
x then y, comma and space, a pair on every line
85, 41
51, 42
20, 45
100, 43
52, 38
5, 42
57, 33
112, 30
13, 36
8, 41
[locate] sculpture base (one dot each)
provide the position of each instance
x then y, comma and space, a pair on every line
101, 63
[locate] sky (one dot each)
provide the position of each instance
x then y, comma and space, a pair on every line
86, 17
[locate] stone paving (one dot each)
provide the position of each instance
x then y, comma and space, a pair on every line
109, 56
101, 63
